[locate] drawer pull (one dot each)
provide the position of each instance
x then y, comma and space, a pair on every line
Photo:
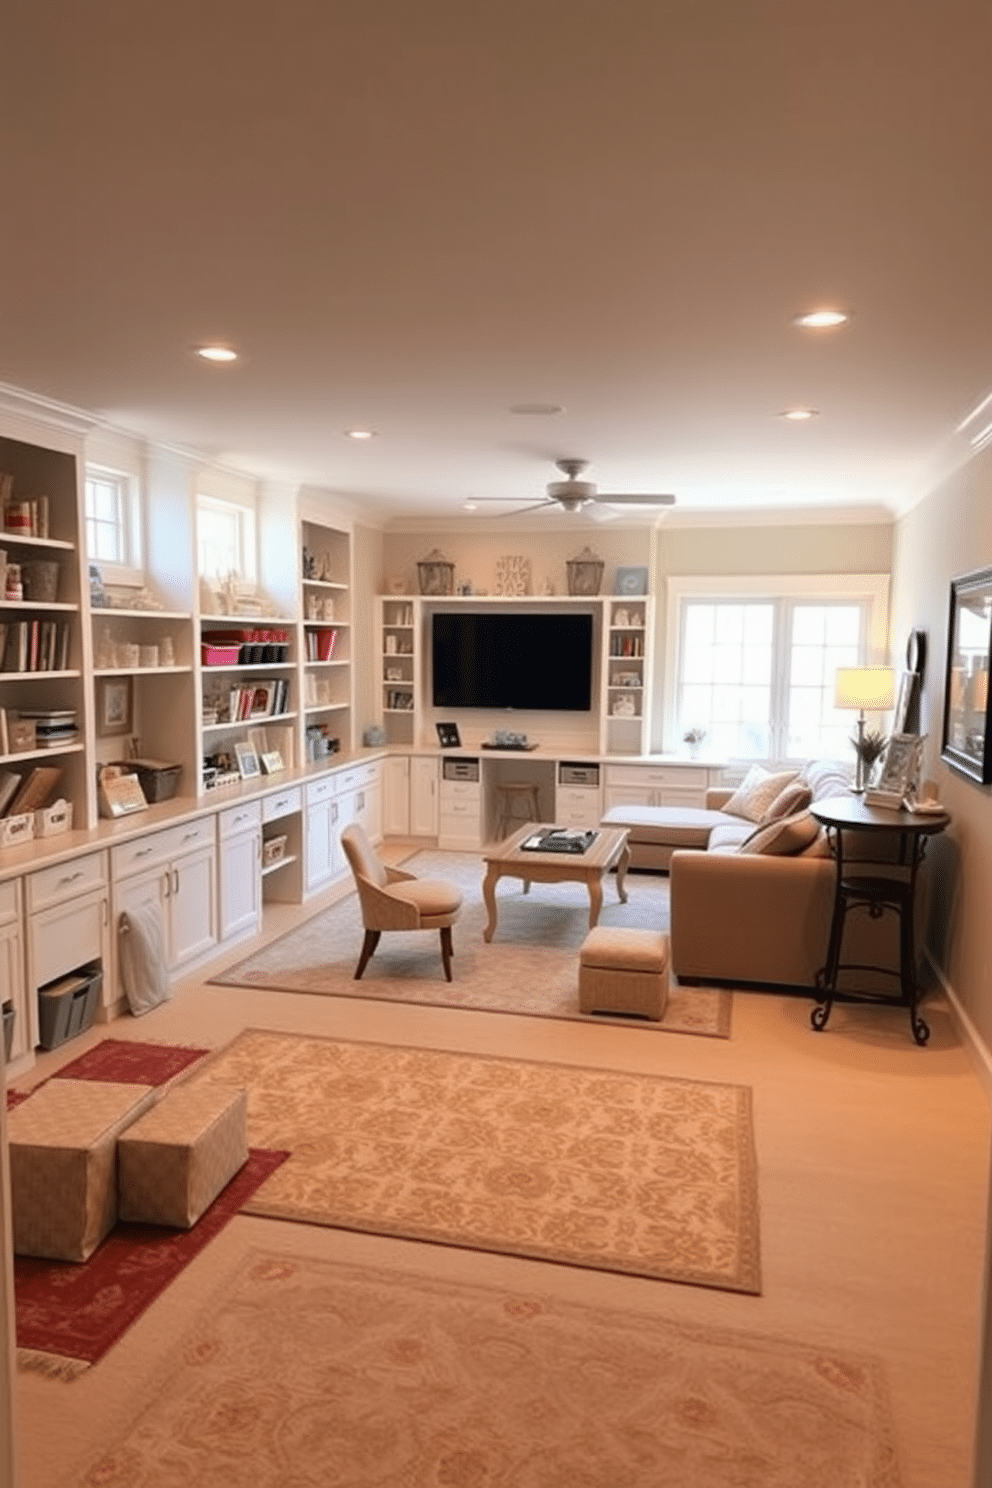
143, 852
190, 836
71, 877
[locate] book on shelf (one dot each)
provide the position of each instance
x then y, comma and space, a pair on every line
34, 646
36, 789
10, 784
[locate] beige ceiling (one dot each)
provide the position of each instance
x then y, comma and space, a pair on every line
413, 214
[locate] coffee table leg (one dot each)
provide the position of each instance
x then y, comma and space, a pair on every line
623, 863
595, 899
489, 899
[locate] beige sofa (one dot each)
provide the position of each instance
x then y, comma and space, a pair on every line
747, 914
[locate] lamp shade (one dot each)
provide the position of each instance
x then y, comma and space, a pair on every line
867, 688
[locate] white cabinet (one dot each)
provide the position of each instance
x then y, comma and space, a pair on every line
626, 672
658, 785
399, 667
459, 817
13, 988
423, 796
319, 830
396, 796
239, 836
176, 869
68, 921
352, 794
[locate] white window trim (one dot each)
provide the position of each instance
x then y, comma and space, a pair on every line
870, 587
131, 572
246, 581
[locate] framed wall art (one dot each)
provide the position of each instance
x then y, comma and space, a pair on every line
113, 705
965, 742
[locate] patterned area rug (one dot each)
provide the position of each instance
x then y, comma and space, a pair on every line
304, 1371
69, 1315
622, 1172
531, 967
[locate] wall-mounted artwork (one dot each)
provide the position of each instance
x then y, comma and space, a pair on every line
967, 739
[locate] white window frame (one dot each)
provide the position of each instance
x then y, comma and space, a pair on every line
871, 589
129, 570
246, 566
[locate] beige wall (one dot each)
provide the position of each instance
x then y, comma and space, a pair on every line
475, 552
849, 547
950, 533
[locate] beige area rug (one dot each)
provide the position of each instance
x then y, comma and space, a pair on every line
621, 1172
530, 967
309, 1372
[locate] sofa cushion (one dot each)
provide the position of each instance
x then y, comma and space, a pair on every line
728, 836
756, 792
783, 838
826, 778
796, 796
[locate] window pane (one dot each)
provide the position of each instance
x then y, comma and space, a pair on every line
824, 637
724, 683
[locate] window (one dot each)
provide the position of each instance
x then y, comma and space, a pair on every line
112, 535
756, 670
226, 539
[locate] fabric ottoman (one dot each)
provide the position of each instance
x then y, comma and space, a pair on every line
63, 1164
624, 971
173, 1163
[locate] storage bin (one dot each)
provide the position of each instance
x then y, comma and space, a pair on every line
50, 821
158, 780
16, 829
212, 655
66, 1007
8, 1029
273, 850
41, 580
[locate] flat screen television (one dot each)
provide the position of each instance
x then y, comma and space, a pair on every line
530, 661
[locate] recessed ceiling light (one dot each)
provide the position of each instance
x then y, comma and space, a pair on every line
819, 320
217, 353
361, 433
470, 505
798, 415
537, 410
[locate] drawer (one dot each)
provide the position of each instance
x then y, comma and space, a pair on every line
356, 777
160, 847
52, 885
238, 819
460, 790
320, 790
284, 803
460, 810
657, 775
10, 907
577, 798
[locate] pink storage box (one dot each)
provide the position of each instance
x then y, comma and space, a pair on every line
218, 655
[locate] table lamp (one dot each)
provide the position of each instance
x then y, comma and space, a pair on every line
863, 687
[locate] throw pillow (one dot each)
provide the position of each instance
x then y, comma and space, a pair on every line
756, 792
795, 797
784, 838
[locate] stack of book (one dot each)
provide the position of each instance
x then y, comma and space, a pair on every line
28, 517
34, 646
29, 792
53, 727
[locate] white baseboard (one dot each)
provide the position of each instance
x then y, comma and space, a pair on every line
978, 1054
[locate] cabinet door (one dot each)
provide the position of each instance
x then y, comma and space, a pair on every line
396, 797
423, 797
68, 935
192, 905
12, 988
368, 810
629, 795
318, 823
344, 811
240, 884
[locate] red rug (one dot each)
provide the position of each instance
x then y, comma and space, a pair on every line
78, 1312
122, 1061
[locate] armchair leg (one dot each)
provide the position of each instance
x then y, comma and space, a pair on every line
446, 950
368, 946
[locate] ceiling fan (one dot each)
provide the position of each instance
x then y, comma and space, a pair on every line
572, 494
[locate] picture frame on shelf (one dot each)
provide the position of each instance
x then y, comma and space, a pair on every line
448, 736
114, 706
248, 766
631, 581
272, 762
899, 767
966, 740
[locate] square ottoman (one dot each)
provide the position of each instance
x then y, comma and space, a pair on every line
624, 971
173, 1163
63, 1164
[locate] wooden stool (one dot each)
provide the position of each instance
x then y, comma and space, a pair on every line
516, 802
624, 971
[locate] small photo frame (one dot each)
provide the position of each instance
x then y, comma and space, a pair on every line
113, 706
631, 581
448, 736
247, 761
899, 767
272, 762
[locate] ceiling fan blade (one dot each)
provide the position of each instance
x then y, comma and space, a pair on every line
533, 506
633, 499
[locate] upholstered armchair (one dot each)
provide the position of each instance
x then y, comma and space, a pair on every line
393, 899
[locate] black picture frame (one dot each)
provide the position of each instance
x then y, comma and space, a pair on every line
448, 736
966, 739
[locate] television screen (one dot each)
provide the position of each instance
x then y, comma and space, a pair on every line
528, 661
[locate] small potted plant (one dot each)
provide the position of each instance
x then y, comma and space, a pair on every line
869, 748
694, 737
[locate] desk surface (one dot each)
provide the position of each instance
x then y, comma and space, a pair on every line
852, 813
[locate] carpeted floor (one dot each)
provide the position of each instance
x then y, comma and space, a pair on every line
306, 1371
531, 966
589, 1167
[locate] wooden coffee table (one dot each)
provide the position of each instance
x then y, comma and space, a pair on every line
508, 860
